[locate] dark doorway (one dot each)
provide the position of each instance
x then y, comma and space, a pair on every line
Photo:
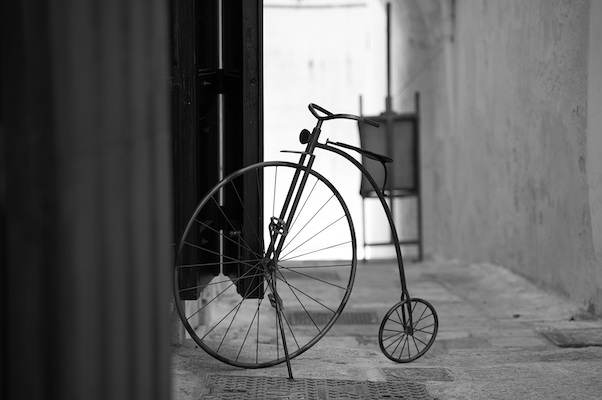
212, 85
217, 103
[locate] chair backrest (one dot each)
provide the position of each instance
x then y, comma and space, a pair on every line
397, 138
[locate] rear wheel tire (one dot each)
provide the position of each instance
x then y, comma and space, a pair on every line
402, 341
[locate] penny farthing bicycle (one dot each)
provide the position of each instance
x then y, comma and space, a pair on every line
247, 284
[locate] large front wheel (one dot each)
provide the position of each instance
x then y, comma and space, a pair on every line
229, 286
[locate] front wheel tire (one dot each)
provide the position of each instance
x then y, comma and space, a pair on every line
225, 285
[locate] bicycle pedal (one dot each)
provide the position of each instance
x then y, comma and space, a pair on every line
273, 301
278, 226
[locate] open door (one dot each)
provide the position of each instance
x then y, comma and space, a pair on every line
217, 110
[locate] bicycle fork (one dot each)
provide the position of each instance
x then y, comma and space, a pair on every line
278, 228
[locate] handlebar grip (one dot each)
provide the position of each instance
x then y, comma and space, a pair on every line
313, 107
328, 115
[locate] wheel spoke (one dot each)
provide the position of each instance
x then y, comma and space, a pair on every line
249, 330
312, 277
213, 264
289, 326
300, 212
229, 326
389, 334
303, 306
237, 307
246, 246
397, 334
275, 190
402, 321
320, 266
422, 329
415, 338
219, 254
310, 297
308, 222
246, 213
232, 282
317, 251
228, 278
311, 237
213, 299
228, 238
419, 318
404, 339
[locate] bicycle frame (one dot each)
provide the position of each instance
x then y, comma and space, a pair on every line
398, 327
387, 210
278, 227
274, 248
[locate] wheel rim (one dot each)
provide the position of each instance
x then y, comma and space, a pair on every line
235, 318
403, 342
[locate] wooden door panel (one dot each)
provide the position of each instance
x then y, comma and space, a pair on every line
198, 84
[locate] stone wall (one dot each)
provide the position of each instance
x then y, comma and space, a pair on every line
511, 136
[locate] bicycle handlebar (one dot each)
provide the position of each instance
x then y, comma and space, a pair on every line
328, 115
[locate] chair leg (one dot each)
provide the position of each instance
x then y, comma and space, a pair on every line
364, 226
419, 220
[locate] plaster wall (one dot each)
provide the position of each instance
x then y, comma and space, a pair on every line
513, 167
594, 142
420, 40
341, 58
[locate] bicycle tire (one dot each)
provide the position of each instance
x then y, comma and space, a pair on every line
221, 290
396, 330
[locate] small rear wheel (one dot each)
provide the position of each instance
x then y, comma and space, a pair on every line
408, 330
234, 298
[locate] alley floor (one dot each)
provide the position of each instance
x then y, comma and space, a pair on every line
499, 338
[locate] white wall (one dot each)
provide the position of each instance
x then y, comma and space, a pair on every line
328, 53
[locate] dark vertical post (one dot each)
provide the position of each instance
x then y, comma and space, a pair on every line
86, 211
389, 113
252, 74
184, 122
418, 177
28, 217
388, 105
